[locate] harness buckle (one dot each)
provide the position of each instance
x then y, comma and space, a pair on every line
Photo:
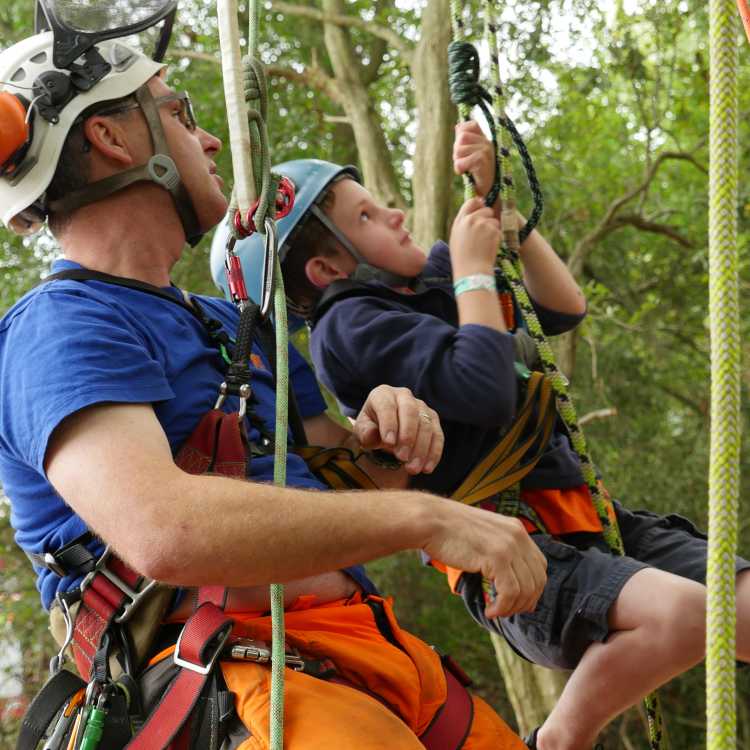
134, 597
201, 668
246, 649
50, 561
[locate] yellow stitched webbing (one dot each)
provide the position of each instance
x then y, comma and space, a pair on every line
336, 467
501, 468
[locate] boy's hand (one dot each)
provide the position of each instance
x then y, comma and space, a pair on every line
473, 152
475, 238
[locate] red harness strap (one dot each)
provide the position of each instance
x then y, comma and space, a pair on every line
198, 648
451, 725
108, 595
217, 445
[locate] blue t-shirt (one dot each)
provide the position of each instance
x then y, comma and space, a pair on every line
466, 373
67, 345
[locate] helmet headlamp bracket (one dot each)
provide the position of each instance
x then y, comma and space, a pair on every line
54, 89
73, 36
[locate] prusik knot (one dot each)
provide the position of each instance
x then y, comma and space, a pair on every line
463, 80
256, 86
463, 75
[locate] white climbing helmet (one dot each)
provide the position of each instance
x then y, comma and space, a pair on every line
52, 99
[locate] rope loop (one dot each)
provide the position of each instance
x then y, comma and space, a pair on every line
465, 89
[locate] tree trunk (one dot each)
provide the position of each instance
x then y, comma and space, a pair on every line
432, 182
566, 347
532, 690
377, 167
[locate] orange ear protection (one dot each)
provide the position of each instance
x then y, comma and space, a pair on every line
14, 132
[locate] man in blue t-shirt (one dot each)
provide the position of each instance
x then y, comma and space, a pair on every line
101, 384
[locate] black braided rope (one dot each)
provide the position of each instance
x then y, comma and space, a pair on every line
534, 186
238, 374
463, 81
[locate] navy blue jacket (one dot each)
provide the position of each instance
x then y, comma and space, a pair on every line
466, 373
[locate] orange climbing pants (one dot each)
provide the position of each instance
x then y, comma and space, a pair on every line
403, 675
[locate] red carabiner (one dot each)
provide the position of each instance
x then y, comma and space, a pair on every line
239, 227
284, 204
236, 279
284, 198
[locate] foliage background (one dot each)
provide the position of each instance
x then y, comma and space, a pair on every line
601, 91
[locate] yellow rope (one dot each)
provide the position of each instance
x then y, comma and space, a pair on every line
725, 379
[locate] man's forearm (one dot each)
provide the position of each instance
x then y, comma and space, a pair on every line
238, 533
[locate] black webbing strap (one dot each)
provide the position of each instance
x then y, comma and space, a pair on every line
248, 329
47, 703
84, 274
72, 559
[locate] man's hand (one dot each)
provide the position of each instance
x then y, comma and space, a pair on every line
392, 419
473, 152
494, 545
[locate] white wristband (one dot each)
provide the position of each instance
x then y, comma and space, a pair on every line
484, 281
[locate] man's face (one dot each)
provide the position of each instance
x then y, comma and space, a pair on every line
377, 232
192, 150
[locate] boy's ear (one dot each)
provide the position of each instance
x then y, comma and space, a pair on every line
321, 271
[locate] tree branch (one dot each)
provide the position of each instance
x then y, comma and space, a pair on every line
608, 223
699, 407
396, 41
311, 75
598, 414
646, 225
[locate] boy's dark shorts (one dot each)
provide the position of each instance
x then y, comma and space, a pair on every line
583, 582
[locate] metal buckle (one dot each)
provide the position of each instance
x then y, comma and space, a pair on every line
51, 562
199, 668
245, 649
134, 596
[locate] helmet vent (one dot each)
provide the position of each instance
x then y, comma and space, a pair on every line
39, 59
120, 56
18, 76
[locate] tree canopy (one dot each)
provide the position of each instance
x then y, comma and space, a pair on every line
612, 99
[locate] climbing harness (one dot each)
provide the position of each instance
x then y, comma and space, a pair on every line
466, 92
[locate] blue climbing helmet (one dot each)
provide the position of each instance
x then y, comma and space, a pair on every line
310, 178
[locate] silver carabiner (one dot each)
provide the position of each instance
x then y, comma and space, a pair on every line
269, 266
57, 661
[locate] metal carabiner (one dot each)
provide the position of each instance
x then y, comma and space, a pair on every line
57, 661
271, 246
235, 276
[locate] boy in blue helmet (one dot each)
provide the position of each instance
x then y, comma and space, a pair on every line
382, 311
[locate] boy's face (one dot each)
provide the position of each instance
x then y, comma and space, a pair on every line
378, 233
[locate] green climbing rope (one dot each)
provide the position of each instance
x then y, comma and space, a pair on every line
249, 134
725, 379
509, 263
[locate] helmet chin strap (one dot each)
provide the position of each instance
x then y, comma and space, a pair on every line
364, 270
160, 169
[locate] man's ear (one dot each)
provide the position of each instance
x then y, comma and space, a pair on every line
323, 270
107, 138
